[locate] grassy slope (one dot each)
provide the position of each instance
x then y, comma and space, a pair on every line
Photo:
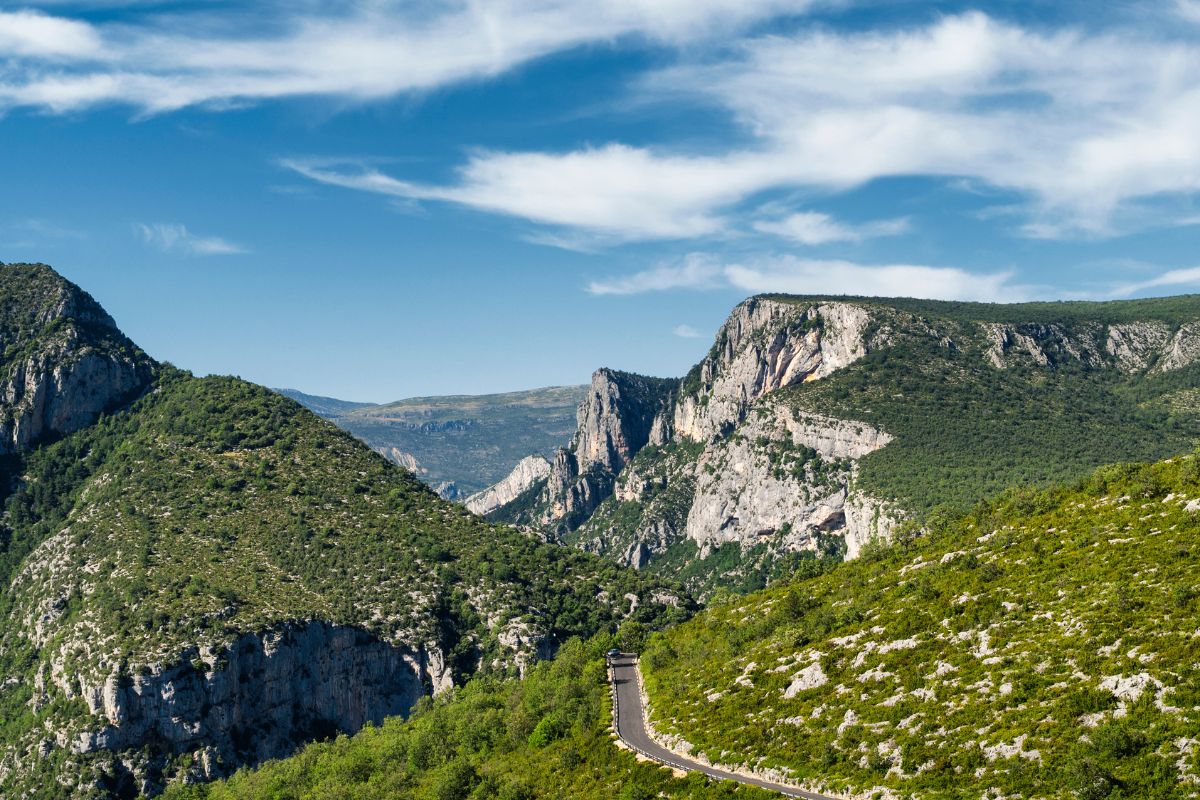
1007, 628
215, 507
543, 737
498, 431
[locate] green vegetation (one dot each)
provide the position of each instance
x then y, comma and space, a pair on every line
1043, 646
965, 429
1175, 310
546, 736
213, 507
472, 440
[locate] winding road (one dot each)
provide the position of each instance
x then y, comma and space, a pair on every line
631, 728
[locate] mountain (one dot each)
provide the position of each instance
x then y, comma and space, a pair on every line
64, 361
328, 407
211, 575
459, 444
1045, 645
815, 425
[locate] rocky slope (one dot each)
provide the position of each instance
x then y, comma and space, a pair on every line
214, 575
818, 424
64, 360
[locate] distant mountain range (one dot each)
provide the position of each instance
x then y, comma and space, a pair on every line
458, 444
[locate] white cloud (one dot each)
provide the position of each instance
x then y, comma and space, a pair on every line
175, 238
1174, 278
694, 271
160, 61
686, 332
1083, 124
815, 228
792, 275
29, 33
620, 192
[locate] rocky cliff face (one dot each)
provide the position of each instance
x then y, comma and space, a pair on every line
620, 414
764, 345
65, 362
718, 461
257, 698
525, 475
616, 418
784, 480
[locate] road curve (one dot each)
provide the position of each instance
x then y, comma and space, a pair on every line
631, 728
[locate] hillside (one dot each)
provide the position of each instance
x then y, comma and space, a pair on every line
815, 425
1044, 646
458, 444
545, 736
214, 575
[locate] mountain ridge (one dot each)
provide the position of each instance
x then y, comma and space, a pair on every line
788, 437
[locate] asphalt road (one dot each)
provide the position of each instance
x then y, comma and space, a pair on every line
631, 727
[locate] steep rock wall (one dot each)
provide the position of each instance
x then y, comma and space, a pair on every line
764, 345
783, 479
259, 698
65, 362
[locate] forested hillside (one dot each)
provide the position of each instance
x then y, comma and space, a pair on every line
546, 736
213, 575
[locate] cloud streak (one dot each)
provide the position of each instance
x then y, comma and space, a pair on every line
1084, 125
176, 238
793, 275
160, 62
814, 228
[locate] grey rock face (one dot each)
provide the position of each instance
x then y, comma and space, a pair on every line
259, 698
763, 485
616, 418
69, 363
620, 415
766, 344
523, 477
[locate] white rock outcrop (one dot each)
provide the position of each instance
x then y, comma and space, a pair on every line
752, 487
766, 344
524, 476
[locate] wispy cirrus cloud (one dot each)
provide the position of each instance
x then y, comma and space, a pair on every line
686, 332
176, 238
815, 228
158, 61
1186, 277
694, 271
792, 275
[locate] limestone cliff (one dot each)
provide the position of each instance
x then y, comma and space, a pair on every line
527, 473
251, 700
785, 478
716, 460
64, 360
764, 345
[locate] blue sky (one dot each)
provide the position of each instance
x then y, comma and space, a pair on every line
382, 199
